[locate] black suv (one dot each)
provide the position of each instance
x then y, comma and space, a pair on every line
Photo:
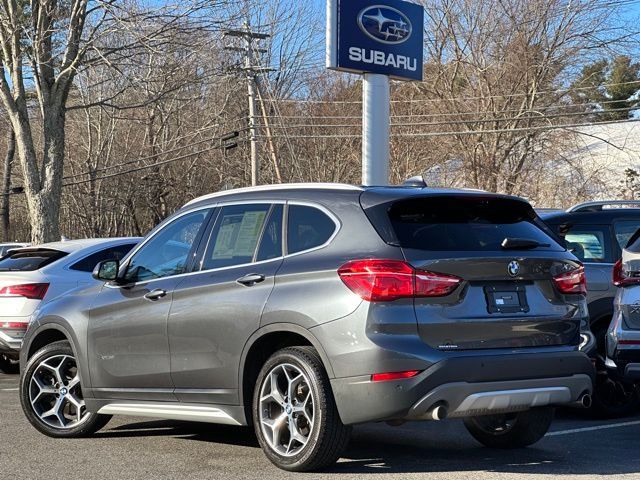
596, 233
305, 309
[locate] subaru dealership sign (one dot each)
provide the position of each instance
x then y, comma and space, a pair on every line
375, 36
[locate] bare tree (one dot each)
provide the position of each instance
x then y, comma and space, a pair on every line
5, 202
46, 43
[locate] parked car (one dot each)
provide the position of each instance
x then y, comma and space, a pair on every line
623, 338
30, 276
5, 247
596, 232
305, 309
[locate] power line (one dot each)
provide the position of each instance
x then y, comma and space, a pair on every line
482, 132
455, 114
146, 167
466, 122
457, 99
150, 157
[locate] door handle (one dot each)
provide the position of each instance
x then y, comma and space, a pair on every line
251, 279
156, 294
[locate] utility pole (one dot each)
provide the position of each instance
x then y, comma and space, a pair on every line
251, 71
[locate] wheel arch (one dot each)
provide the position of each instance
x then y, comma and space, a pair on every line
261, 345
47, 333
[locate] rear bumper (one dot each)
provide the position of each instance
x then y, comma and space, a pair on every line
11, 338
623, 349
468, 386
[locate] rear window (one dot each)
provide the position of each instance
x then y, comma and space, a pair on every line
29, 261
466, 224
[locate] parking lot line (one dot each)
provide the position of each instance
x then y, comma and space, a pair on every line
591, 429
9, 389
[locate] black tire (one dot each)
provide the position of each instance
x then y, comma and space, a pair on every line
613, 397
508, 431
8, 366
90, 422
328, 436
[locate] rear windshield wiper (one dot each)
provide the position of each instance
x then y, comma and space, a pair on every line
521, 243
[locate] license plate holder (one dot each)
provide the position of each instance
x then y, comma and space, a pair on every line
507, 299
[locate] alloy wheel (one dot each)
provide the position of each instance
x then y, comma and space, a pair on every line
55, 394
287, 410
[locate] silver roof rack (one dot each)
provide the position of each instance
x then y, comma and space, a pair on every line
279, 186
599, 206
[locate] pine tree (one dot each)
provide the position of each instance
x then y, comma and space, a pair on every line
610, 88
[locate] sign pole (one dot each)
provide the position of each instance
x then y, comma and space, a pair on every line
379, 39
375, 129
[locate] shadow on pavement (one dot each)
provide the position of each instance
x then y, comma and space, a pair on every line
379, 449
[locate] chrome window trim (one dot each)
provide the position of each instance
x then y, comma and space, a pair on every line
320, 207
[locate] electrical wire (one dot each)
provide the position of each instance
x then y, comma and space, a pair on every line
480, 132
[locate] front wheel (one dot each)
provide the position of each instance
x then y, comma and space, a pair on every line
512, 430
294, 412
51, 394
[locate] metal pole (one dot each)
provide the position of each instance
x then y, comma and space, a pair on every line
253, 136
251, 90
375, 129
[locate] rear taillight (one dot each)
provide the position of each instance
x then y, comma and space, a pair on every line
573, 282
14, 325
388, 280
34, 291
622, 278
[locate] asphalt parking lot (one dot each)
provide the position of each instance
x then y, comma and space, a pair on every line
138, 448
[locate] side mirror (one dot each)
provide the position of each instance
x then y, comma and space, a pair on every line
106, 271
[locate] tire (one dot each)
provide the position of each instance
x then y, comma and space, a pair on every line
310, 409
8, 366
612, 397
44, 391
515, 430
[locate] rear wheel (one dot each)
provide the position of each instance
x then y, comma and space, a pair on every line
511, 430
8, 365
294, 413
612, 397
51, 394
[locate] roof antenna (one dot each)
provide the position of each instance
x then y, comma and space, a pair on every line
416, 182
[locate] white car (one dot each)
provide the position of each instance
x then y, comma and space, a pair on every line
32, 275
5, 247
623, 337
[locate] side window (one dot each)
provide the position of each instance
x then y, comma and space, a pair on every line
590, 243
307, 228
271, 242
235, 236
624, 231
167, 253
117, 252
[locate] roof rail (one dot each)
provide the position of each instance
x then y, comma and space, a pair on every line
599, 206
278, 186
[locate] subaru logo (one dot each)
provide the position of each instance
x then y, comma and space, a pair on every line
385, 24
513, 268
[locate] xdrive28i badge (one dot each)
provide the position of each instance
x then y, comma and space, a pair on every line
385, 24
513, 268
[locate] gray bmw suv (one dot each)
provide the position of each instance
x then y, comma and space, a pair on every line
305, 309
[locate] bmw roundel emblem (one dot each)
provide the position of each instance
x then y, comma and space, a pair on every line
513, 268
385, 24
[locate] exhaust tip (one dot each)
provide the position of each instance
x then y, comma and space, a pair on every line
586, 401
439, 412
